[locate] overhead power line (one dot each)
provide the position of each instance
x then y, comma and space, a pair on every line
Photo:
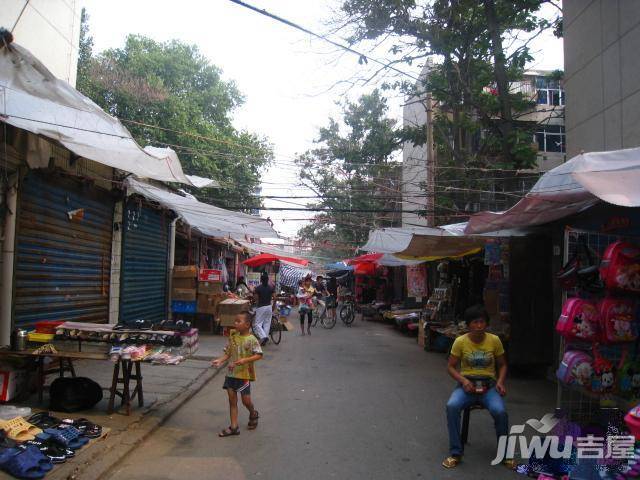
323, 38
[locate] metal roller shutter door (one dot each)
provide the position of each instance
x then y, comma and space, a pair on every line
143, 293
63, 253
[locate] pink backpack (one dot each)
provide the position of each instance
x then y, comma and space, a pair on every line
617, 320
632, 419
579, 320
576, 368
620, 267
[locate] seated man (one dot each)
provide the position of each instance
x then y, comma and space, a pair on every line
478, 353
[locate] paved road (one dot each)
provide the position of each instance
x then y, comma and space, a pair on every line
349, 403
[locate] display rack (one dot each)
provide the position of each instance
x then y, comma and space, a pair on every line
577, 403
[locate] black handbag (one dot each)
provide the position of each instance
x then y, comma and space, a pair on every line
73, 394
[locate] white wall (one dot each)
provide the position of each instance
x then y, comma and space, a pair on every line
414, 166
50, 29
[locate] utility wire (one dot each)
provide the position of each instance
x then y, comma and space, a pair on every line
291, 24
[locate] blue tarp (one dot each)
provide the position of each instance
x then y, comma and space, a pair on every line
338, 266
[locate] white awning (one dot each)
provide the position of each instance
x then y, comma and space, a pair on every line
569, 189
33, 99
206, 219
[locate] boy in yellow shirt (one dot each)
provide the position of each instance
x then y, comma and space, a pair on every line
483, 370
242, 351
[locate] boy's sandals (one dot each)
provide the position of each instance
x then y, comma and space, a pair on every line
451, 462
229, 432
253, 420
510, 463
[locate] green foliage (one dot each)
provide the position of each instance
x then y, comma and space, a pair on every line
352, 169
476, 112
173, 86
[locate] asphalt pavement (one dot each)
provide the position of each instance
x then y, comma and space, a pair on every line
350, 403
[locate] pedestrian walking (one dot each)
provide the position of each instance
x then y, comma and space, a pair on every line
264, 295
242, 351
305, 299
481, 379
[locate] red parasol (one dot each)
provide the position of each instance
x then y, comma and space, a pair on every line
265, 258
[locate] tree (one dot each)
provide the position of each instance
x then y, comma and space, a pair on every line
480, 55
354, 175
173, 87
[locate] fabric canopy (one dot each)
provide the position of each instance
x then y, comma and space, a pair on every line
33, 99
340, 266
289, 276
611, 176
264, 258
206, 219
559, 193
392, 240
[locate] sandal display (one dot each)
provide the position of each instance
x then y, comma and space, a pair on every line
27, 463
44, 420
19, 430
86, 427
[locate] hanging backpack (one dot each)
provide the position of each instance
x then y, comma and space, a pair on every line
629, 375
618, 320
620, 267
603, 379
579, 320
576, 368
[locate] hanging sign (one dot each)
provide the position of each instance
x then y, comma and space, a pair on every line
417, 281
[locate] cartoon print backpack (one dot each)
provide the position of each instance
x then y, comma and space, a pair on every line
618, 320
576, 368
603, 378
620, 267
579, 320
629, 376
632, 419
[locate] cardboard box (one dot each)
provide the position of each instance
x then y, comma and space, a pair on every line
185, 271
228, 309
209, 303
209, 288
184, 294
184, 283
11, 383
210, 275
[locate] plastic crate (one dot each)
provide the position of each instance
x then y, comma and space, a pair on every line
48, 326
180, 306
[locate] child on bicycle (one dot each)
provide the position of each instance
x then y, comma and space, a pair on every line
242, 351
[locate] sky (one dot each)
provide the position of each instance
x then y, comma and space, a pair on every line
288, 78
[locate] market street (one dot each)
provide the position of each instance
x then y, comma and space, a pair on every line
358, 403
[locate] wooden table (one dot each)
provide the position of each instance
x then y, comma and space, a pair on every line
122, 374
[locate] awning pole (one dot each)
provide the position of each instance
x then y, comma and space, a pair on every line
8, 256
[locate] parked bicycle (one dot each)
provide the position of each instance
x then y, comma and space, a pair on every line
320, 314
275, 330
348, 310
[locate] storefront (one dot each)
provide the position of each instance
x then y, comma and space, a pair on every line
63, 251
145, 256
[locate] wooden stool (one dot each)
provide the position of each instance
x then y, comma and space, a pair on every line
122, 374
464, 433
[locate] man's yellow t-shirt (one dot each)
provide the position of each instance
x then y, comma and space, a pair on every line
477, 359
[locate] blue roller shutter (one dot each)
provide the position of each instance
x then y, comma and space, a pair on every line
145, 245
63, 251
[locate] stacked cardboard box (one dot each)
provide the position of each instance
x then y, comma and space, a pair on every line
184, 283
210, 291
228, 309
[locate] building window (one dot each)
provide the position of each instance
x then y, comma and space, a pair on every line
549, 91
550, 138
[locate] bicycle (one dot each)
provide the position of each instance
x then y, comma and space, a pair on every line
348, 310
275, 330
320, 314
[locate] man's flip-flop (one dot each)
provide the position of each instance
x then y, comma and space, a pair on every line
451, 462
229, 432
253, 420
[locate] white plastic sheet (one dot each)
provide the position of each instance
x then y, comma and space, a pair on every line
33, 99
206, 219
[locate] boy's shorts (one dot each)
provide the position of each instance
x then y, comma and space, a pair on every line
238, 385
